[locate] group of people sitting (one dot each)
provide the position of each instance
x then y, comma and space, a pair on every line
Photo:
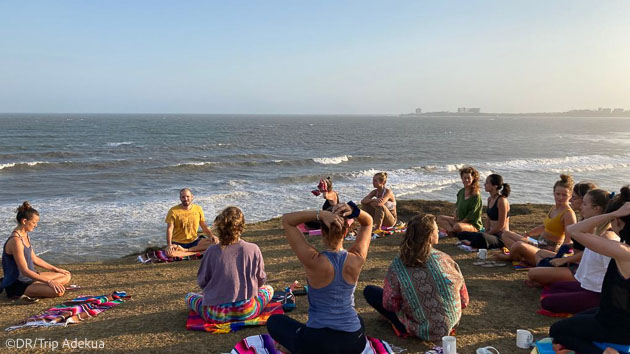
584, 266
423, 292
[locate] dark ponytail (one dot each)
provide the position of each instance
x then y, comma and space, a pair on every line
503, 188
617, 202
505, 191
25, 211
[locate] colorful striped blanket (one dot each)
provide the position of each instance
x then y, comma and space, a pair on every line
161, 257
73, 311
264, 344
196, 323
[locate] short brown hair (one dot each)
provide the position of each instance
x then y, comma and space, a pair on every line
416, 244
229, 225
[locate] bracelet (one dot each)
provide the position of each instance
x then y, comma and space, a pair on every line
355, 210
317, 214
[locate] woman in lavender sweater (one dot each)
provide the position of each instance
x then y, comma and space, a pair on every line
231, 276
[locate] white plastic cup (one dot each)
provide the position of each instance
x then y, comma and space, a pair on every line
449, 345
482, 253
524, 338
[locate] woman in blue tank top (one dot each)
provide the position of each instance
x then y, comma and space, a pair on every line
333, 324
19, 261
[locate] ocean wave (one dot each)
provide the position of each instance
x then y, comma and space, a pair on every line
21, 164
332, 160
115, 144
39, 155
92, 165
563, 164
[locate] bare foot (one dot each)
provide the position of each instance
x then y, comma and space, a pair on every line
610, 350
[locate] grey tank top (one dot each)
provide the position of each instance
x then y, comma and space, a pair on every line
10, 268
333, 305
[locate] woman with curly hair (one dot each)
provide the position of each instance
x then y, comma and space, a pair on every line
231, 275
469, 205
424, 291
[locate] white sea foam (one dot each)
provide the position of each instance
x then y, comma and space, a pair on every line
203, 163
120, 143
19, 164
564, 164
332, 160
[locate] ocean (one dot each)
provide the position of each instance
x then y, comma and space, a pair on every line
103, 183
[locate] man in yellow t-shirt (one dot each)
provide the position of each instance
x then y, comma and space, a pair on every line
183, 221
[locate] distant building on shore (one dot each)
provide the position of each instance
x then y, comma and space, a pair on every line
418, 110
468, 110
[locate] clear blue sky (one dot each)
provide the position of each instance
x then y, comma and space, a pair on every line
349, 57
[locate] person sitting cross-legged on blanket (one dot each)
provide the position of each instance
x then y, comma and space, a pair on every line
183, 222
469, 205
424, 291
333, 324
552, 231
498, 219
231, 275
380, 203
610, 322
566, 269
19, 261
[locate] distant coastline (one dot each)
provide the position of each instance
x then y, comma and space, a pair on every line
573, 113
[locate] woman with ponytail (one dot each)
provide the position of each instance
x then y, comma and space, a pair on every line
498, 219
551, 233
610, 322
19, 261
380, 203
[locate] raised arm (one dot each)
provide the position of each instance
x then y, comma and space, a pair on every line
306, 253
364, 235
582, 233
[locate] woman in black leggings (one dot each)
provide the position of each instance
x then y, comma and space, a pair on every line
610, 322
